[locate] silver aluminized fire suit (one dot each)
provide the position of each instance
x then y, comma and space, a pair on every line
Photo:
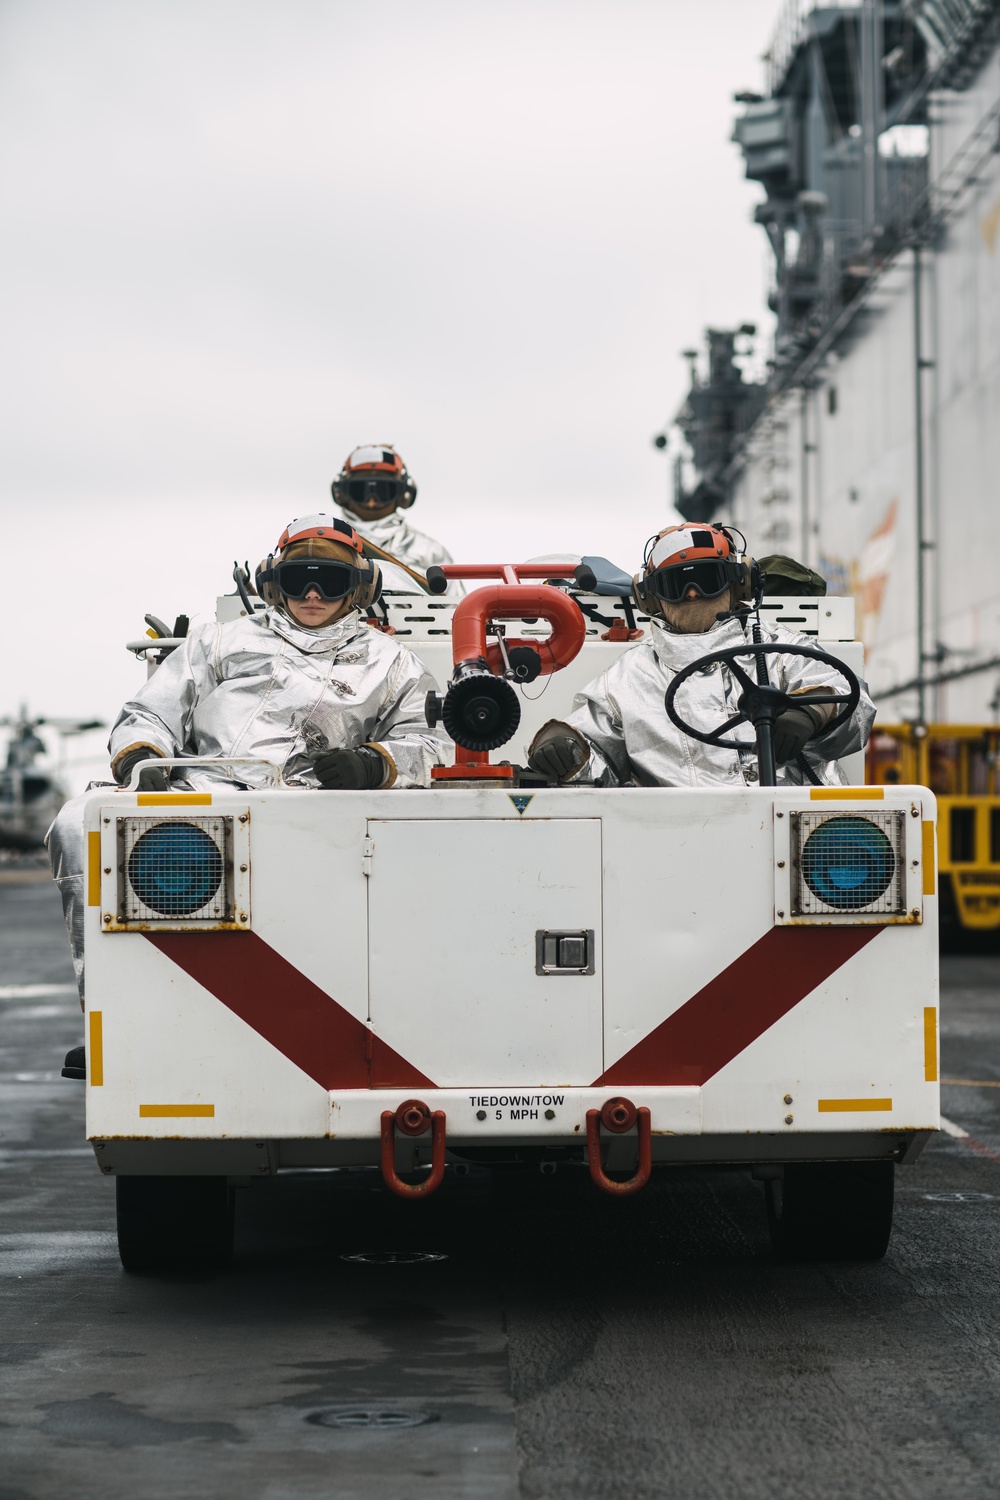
395, 534
623, 717
265, 686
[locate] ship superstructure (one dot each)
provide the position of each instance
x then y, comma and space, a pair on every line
871, 447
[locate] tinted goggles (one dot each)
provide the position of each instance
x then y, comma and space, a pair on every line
333, 580
382, 491
708, 576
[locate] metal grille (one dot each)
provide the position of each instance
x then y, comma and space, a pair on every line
849, 862
423, 619
175, 868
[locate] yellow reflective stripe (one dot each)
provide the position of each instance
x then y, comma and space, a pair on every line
93, 869
930, 1044
176, 1111
843, 1106
846, 793
174, 799
95, 1050
927, 855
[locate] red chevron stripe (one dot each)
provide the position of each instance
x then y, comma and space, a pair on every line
738, 1005
288, 1010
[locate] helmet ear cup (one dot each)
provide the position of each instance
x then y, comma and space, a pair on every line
648, 603
751, 584
339, 491
409, 492
366, 593
263, 580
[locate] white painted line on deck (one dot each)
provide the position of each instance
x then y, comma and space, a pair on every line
950, 1128
34, 991
15, 1153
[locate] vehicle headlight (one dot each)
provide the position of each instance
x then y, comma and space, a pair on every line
176, 868
849, 862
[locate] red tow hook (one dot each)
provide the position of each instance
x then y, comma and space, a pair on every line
619, 1115
413, 1118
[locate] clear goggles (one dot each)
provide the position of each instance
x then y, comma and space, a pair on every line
381, 491
709, 577
331, 580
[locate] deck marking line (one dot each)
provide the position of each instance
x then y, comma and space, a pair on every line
950, 1128
96, 1049
34, 991
974, 1083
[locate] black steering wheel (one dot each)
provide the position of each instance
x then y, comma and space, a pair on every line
759, 703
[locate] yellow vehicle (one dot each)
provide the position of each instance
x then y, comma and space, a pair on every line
959, 762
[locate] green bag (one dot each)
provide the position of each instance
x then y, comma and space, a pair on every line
783, 576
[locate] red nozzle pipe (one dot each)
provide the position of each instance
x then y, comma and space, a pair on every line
518, 601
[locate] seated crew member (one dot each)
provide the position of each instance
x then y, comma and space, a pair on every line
619, 731
373, 489
305, 684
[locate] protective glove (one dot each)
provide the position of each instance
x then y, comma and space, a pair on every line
792, 730
153, 779
350, 770
558, 751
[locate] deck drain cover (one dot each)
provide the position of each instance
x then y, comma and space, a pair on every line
959, 1197
385, 1418
395, 1257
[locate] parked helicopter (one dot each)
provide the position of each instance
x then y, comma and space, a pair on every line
30, 795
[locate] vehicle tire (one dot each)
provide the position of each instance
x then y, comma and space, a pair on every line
174, 1223
831, 1210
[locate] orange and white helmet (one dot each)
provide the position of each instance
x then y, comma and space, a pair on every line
321, 552
373, 477
707, 559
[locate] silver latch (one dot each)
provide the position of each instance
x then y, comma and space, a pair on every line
367, 850
564, 951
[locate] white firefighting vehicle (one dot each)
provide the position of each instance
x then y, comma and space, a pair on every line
495, 970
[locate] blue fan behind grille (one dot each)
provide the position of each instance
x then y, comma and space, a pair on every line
175, 868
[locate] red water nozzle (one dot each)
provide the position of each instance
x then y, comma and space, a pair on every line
518, 601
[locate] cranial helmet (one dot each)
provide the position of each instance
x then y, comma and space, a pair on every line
321, 552
705, 558
374, 472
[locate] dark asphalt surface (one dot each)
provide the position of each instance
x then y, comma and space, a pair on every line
565, 1346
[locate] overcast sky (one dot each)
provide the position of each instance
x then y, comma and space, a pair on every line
241, 237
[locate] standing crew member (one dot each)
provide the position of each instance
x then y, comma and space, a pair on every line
619, 731
374, 489
305, 685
